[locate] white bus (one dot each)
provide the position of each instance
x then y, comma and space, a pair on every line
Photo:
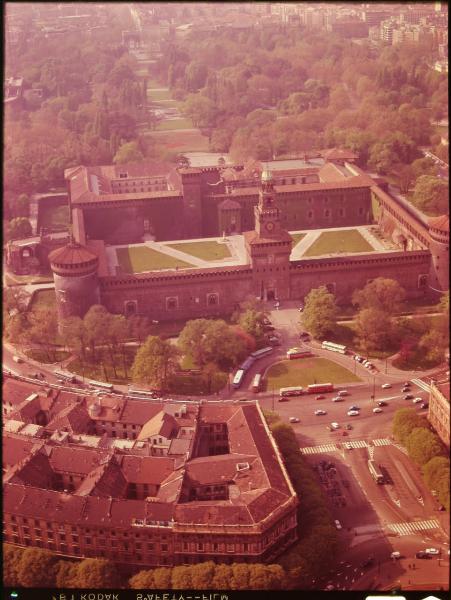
334, 347
238, 379
290, 391
262, 352
142, 394
100, 385
256, 383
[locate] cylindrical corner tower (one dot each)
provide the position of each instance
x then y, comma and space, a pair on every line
439, 247
76, 284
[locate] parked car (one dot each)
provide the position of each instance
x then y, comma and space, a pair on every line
337, 399
343, 393
432, 551
301, 308
268, 328
406, 384
293, 420
320, 397
422, 554
349, 426
417, 400
382, 403
406, 388
386, 386
425, 405
353, 413
273, 340
354, 407
319, 412
335, 425
377, 410
337, 524
395, 555
408, 397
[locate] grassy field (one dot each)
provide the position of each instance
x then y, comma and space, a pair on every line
53, 217
305, 371
43, 299
140, 259
159, 94
185, 141
174, 124
203, 250
297, 237
333, 242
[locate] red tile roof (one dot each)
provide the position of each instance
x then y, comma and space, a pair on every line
146, 469
72, 254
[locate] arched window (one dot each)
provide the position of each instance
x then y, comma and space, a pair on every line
172, 303
212, 299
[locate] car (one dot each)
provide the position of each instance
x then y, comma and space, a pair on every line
273, 340
432, 551
301, 308
360, 359
425, 405
353, 413
320, 397
293, 420
377, 410
382, 403
337, 399
408, 397
406, 384
343, 393
369, 366
405, 389
283, 399
422, 554
335, 425
396, 555
386, 386
417, 400
269, 328
319, 412
347, 444
366, 362
344, 433
337, 524
353, 407
266, 321
349, 426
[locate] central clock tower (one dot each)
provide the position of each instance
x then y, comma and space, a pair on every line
269, 246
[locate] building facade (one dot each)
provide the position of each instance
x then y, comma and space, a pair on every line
438, 411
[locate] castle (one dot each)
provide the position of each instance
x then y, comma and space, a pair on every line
252, 208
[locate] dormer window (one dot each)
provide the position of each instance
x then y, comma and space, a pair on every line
123, 175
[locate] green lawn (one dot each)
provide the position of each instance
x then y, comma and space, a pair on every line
305, 371
138, 259
54, 217
43, 299
334, 242
159, 94
184, 141
174, 124
297, 237
203, 250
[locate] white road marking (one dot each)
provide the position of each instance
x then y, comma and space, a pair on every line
413, 527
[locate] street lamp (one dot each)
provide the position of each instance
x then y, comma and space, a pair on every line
272, 398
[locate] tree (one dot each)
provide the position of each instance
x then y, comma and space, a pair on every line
382, 293
66, 574
202, 575
128, 153
181, 578
434, 344
406, 176
154, 362
18, 228
21, 207
11, 562
212, 341
404, 422
251, 321
423, 445
96, 322
373, 328
142, 580
431, 195
37, 568
97, 573
43, 330
200, 110
15, 299
75, 336
222, 577
436, 474
162, 577
320, 311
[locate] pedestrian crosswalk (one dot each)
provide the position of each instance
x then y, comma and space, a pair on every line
413, 527
421, 384
319, 449
351, 444
382, 442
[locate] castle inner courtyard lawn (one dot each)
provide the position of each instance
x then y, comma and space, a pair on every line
203, 250
336, 242
305, 371
139, 259
297, 237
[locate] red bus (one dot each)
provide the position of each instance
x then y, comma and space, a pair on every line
298, 353
318, 388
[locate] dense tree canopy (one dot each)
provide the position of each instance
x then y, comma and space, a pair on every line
154, 362
383, 294
431, 195
320, 311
